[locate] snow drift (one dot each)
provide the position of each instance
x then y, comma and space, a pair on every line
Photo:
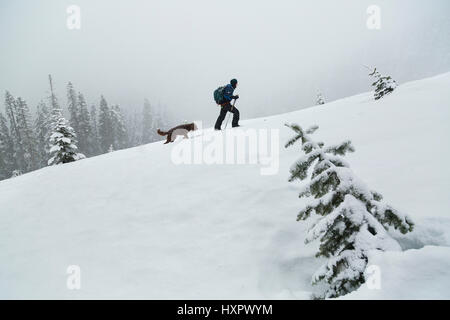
140, 226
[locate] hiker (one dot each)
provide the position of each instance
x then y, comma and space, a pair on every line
227, 107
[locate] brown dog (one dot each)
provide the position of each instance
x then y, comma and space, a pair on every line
181, 130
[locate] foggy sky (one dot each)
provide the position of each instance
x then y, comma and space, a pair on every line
176, 52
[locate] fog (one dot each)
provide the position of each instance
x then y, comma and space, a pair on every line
176, 52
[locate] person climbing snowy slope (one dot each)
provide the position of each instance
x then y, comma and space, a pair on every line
225, 103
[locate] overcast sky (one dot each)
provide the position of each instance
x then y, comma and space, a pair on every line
177, 52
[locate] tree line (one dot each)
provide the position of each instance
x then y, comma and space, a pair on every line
28, 143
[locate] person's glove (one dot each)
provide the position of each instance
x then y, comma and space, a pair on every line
235, 97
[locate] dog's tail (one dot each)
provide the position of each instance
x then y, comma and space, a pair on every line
162, 133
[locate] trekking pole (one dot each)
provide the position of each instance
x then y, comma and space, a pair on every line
228, 116
226, 122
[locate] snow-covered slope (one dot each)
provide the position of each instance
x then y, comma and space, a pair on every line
140, 226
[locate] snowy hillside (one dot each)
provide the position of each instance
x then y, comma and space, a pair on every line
140, 226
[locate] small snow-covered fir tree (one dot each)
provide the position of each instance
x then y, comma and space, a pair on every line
383, 85
320, 100
352, 220
63, 147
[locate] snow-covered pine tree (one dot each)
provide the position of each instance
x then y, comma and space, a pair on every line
7, 160
160, 120
94, 132
72, 106
12, 113
147, 123
133, 128
383, 85
105, 129
120, 137
52, 98
28, 140
352, 220
62, 140
21, 132
84, 133
42, 127
320, 100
